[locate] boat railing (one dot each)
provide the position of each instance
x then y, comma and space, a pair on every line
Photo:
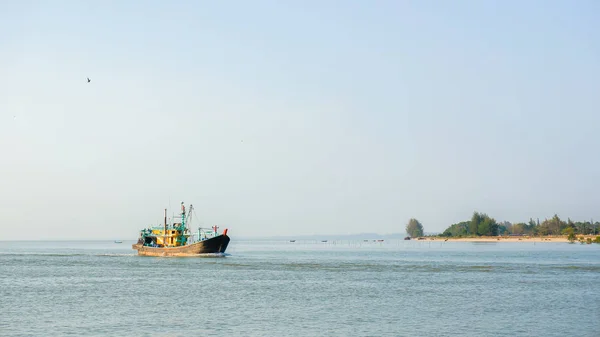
197, 237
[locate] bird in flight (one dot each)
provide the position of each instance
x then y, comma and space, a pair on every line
89, 80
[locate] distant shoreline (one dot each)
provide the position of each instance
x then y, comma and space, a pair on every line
561, 238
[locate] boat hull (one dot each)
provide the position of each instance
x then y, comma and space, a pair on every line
218, 244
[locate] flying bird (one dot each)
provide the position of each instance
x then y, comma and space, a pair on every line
89, 80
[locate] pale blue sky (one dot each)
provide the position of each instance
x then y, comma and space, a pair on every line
295, 117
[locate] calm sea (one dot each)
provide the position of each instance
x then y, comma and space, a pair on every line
306, 288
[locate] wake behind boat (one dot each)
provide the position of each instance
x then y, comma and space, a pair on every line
176, 239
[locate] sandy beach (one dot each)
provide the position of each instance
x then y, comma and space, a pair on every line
506, 239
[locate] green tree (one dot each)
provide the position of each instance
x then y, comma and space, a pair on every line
414, 228
482, 224
531, 227
505, 228
552, 226
488, 227
570, 232
476, 219
519, 228
457, 229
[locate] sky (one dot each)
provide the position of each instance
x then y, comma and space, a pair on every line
295, 117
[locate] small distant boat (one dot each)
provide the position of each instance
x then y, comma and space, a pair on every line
323, 240
292, 240
176, 239
118, 241
407, 238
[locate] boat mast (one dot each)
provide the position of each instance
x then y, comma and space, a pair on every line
190, 221
182, 216
165, 231
181, 229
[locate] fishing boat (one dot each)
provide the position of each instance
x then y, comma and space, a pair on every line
118, 241
176, 239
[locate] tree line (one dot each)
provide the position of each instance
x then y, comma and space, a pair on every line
483, 225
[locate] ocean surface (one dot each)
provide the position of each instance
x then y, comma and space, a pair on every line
306, 288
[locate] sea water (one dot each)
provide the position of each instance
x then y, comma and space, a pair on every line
305, 288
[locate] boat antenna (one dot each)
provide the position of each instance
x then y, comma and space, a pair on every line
165, 231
